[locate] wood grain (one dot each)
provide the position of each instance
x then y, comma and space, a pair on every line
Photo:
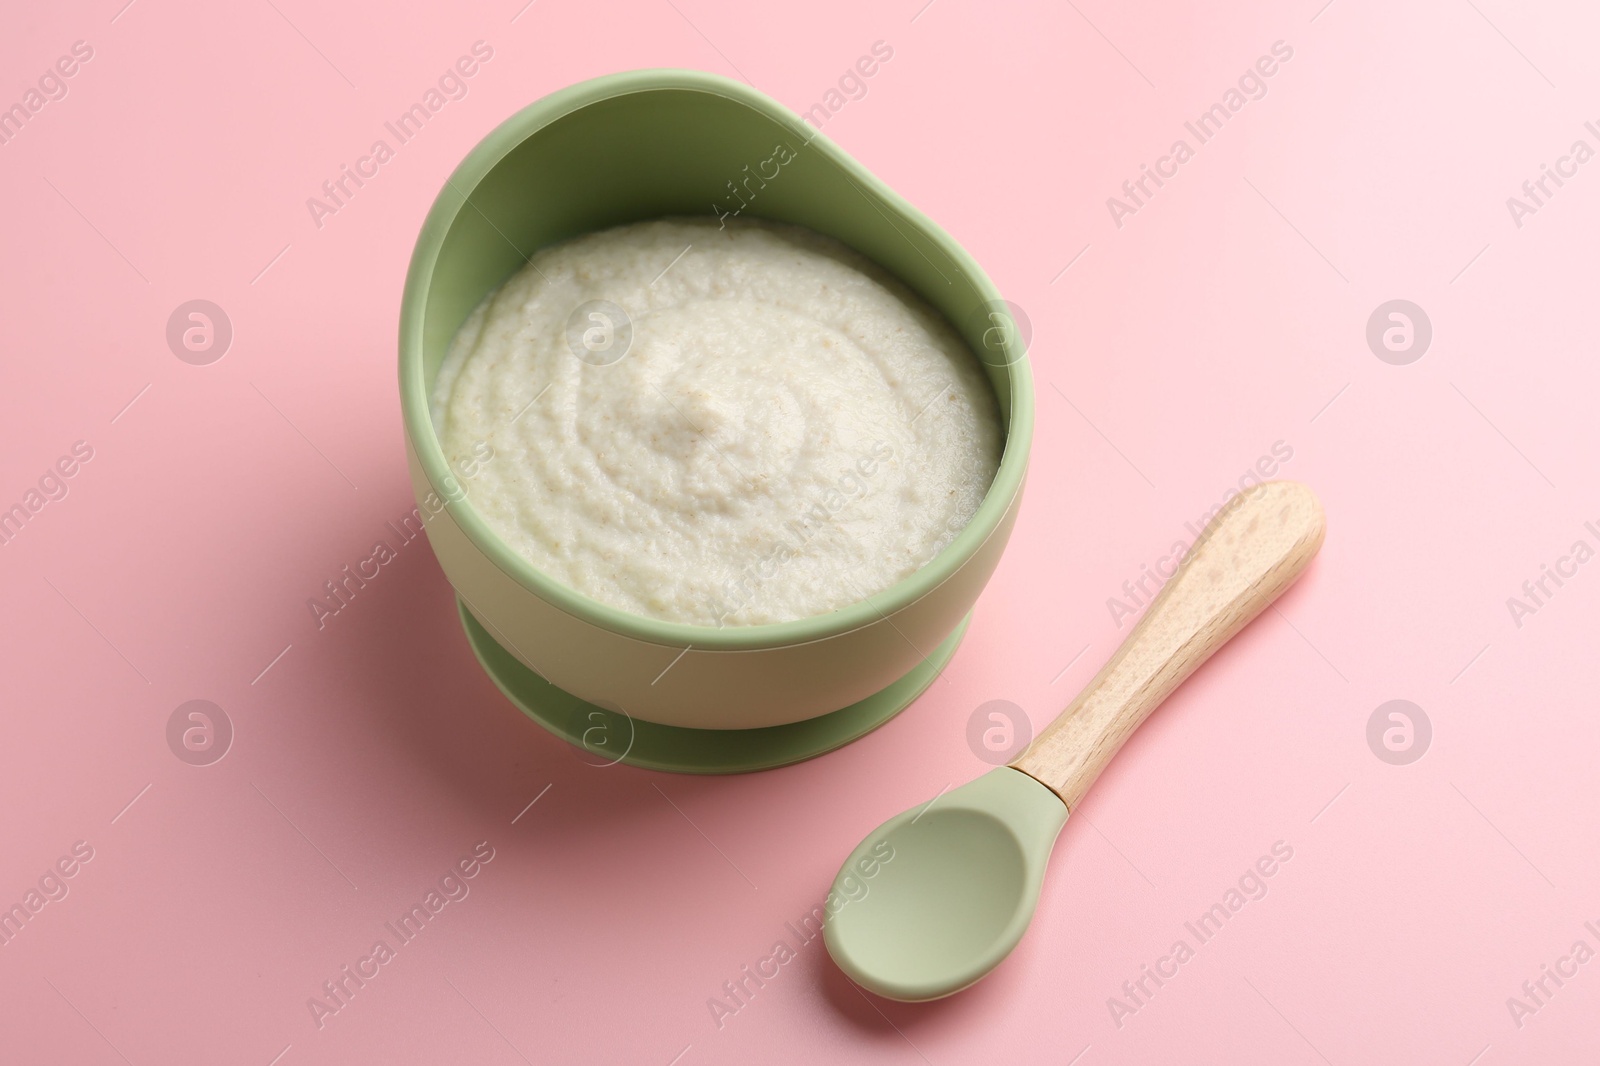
1245, 558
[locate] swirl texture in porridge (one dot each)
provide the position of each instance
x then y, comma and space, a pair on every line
716, 425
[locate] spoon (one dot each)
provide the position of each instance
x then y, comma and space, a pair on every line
936, 897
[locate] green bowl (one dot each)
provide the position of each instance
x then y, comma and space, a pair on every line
642, 145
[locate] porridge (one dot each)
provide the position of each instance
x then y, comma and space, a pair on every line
717, 425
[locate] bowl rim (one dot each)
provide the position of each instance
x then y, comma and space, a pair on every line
417, 420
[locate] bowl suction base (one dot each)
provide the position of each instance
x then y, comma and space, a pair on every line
605, 737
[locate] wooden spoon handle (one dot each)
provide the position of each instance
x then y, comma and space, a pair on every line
1246, 557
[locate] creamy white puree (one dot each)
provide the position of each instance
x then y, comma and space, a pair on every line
789, 431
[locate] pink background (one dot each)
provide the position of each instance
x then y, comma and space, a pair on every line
1228, 314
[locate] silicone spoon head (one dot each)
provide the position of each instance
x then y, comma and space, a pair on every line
953, 887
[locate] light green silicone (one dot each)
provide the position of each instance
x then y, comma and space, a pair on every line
956, 893
607, 738
641, 145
